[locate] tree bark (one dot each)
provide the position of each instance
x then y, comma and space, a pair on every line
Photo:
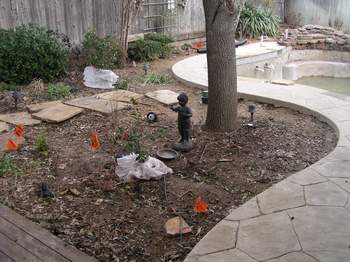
221, 22
130, 9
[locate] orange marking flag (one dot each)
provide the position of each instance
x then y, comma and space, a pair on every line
19, 130
200, 206
11, 145
199, 45
95, 142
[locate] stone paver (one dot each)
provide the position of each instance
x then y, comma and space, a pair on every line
341, 153
329, 256
347, 207
3, 127
119, 96
166, 97
58, 113
295, 257
250, 209
100, 105
334, 169
323, 231
223, 237
344, 183
233, 255
267, 236
34, 108
306, 177
322, 228
281, 196
23, 118
325, 194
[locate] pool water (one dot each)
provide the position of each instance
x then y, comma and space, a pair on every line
338, 85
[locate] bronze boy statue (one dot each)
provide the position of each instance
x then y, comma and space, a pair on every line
184, 123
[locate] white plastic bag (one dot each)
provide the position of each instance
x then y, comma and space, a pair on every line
99, 78
129, 169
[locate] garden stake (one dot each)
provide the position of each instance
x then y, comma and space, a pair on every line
165, 189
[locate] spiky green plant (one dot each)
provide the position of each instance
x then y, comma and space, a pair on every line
254, 22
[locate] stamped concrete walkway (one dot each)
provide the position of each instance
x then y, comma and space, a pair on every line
304, 218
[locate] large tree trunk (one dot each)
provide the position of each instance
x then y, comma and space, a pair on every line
221, 22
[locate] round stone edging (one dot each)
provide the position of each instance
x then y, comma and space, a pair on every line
249, 233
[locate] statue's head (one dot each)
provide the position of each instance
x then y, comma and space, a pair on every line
183, 99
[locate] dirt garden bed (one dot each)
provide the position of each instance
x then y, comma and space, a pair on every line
113, 221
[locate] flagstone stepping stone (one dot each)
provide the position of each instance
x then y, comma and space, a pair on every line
34, 108
58, 113
166, 97
119, 95
97, 104
3, 127
23, 118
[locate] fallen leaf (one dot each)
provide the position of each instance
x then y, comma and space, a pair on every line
62, 166
200, 206
98, 201
63, 192
177, 225
74, 191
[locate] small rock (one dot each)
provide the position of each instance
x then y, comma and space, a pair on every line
177, 225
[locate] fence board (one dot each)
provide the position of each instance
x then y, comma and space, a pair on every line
76, 17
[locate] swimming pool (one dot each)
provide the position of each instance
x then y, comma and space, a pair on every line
338, 85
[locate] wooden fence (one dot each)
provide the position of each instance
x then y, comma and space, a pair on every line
75, 17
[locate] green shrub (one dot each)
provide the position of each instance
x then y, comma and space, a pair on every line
157, 79
158, 37
153, 46
29, 52
121, 84
8, 166
7, 87
58, 91
103, 53
41, 145
254, 22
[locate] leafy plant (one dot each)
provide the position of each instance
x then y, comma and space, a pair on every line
58, 91
131, 138
8, 166
158, 37
41, 145
153, 46
254, 22
29, 52
103, 53
7, 87
121, 84
157, 79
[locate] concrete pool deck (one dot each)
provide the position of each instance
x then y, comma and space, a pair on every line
304, 218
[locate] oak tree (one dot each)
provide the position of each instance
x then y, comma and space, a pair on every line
221, 18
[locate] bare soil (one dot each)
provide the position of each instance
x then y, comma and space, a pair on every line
114, 221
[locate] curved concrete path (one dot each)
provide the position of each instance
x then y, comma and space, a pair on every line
304, 218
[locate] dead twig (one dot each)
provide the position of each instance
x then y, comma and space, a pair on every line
203, 152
